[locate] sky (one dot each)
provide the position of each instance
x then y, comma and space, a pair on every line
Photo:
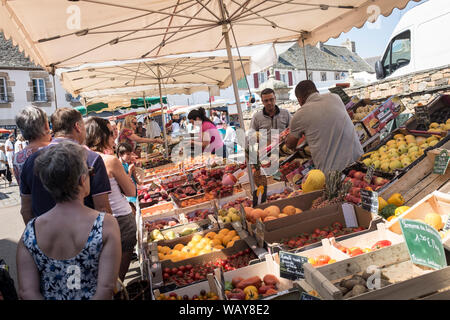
372, 38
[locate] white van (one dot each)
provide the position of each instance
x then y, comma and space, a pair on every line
420, 41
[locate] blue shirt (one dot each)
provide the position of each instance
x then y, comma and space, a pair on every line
130, 199
42, 200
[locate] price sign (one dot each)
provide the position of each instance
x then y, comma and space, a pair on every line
353, 101
259, 195
306, 296
424, 244
369, 174
243, 217
422, 115
291, 266
441, 162
341, 93
447, 224
259, 232
369, 200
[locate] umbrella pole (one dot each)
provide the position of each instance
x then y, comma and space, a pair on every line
304, 56
236, 96
163, 115
54, 90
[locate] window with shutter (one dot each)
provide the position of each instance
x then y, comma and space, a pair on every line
3, 90
39, 93
291, 81
255, 80
277, 75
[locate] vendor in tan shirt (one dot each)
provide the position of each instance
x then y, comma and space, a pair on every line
327, 127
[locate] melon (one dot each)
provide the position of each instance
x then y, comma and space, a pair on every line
272, 211
289, 210
434, 220
258, 214
314, 180
269, 218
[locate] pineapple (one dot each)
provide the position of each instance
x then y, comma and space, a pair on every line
335, 191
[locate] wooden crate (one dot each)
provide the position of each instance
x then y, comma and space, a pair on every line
419, 181
409, 280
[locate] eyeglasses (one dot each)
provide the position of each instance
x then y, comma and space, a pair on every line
134, 122
91, 171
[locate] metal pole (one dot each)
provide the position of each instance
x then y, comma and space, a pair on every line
236, 96
304, 56
163, 116
54, 90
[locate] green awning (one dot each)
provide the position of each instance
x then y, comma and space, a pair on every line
81, 109
139, 102
97, 107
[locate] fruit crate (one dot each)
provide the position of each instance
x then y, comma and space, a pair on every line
378, 118
348, 215
408, 281
189, 292
419, 181
158, 209
437, 202
439, 111
261, 269
401, 171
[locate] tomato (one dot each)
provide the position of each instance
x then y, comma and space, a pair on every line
381, 244
323, 259
355, 251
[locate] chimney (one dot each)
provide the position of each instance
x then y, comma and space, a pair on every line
319, 45
350, 45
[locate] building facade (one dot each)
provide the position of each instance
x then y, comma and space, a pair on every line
22, 83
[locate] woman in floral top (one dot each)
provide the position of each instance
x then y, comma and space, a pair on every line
71, 252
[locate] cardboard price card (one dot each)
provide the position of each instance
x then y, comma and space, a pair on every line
306, 296
369, 174
441, 162
291, 266
369, 200
424, 244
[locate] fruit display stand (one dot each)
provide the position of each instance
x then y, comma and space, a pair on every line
438, 112
397, 144
420, 180
344, 220
400, 278
257, 272
437, 204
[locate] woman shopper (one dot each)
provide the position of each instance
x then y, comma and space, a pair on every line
19, 145
71, 252
100, 138
33, 123
127, 133
211, 140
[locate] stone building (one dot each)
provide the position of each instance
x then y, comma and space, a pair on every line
22, 83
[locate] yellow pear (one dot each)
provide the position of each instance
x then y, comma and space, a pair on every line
376, 164
399, 136
434, 125
431, 139
406, 162
420, 140
433, 143
396, 164
391, 143
409, 138
383, 149
423, 146
413, 149
402, 149
385, 167
367, 162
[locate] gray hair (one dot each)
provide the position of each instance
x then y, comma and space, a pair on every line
60, 168
31, 122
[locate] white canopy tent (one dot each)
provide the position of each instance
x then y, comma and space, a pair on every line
129, 29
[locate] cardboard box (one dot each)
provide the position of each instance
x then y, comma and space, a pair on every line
409, 281
436, 202
321, 218
302, 202
268, 266
378, 118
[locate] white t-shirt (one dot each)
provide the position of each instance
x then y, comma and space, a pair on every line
18, 146
2, 158
329, 131
230, 137
9, 145
153, 130
175, 127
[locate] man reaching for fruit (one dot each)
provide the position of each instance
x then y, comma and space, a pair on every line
327, 127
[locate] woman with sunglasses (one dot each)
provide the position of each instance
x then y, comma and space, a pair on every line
71, 252
127, 134
100, 138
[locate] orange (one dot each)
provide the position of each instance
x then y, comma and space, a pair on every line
226, 239
232, 232
211, 235
220, 247
178, 247
236, 238
216, 242
224, 231
230, 244
161, 256
159, 249
196, 238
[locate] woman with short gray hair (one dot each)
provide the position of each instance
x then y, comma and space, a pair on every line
33, 123
71, 252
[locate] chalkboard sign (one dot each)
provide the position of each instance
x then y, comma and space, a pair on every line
369, 174
369, 200
424, 244
291, 266
441, 162
341, 93
306, 296
422, 115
